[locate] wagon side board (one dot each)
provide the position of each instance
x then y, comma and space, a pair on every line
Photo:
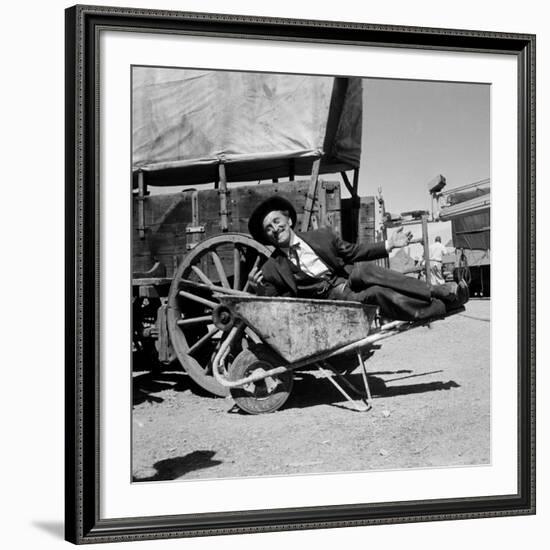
176, 222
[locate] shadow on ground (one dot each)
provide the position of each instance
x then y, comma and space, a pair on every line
173, 468
309, 390
418, 388
146, 384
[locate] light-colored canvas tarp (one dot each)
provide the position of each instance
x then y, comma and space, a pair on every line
185, 122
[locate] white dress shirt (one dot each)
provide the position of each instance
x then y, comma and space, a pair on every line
303, 257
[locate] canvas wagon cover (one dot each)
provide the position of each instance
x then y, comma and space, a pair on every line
185, 122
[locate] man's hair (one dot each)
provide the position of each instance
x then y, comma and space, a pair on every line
438, 239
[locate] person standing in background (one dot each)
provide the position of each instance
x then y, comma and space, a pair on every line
437, 251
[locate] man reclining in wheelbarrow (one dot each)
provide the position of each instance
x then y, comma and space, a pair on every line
312, 265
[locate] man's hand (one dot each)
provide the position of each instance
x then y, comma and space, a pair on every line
255, 278
399, 239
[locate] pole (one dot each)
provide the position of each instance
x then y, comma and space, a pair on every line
223, 197
141, 207
426, 248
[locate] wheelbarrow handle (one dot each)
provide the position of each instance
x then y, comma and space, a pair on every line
390, 329
222, 354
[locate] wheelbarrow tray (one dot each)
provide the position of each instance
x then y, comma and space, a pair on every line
297, 328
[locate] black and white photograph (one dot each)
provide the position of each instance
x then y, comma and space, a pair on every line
300, 275
270, 275
311, 274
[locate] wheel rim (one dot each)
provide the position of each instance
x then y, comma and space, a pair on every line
263, 396
224, 260
263, 389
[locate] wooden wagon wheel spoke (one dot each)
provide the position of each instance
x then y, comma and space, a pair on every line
220, 264
208, 303
208, 336
252, 335
201, 275
219, 268
194, 320
236, 268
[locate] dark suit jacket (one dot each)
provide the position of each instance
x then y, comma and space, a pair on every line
335, 252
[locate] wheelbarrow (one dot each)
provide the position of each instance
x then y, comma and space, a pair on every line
291, 334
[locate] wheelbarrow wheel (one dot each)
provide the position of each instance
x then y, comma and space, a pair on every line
224, 261
263, 396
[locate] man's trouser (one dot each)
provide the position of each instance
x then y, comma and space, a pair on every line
398, 296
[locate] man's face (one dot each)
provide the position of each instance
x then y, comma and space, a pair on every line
277, 228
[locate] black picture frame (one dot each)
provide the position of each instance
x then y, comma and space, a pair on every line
83, 524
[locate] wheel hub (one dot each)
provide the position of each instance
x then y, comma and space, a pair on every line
261, 388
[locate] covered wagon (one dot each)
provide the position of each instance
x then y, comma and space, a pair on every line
202, 143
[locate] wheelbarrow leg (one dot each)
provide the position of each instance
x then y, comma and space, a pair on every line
364, 407
365, 381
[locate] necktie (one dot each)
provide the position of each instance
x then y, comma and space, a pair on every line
293, 255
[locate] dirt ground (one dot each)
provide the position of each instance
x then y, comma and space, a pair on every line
431, 408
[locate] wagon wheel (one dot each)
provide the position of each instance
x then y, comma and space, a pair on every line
265, 395
224, 261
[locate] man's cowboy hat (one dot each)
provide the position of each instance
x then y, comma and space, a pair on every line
255, 226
